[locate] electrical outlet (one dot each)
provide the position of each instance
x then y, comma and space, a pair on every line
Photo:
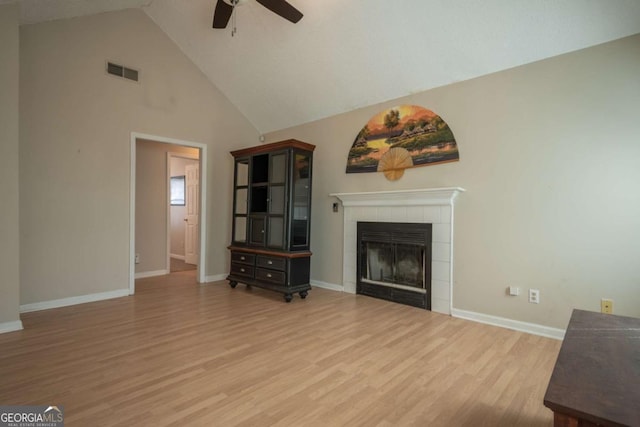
534, 296
137, 258
606, 305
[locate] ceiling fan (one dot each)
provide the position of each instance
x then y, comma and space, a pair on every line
224, 10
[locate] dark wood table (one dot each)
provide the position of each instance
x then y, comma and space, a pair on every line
596, 379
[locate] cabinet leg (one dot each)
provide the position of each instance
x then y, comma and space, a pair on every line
288, 297
303, 294
233, 284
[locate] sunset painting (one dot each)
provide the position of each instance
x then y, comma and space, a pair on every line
402, 137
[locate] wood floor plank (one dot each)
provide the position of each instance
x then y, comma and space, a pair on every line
180, 353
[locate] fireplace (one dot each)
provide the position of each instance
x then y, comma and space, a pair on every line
394, 262
434, 206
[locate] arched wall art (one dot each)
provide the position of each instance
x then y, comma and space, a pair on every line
399, 138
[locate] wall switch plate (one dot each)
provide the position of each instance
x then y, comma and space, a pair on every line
335, 207
137, 258
534, 296
606, 306
514, 291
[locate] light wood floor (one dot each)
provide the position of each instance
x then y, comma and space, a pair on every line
179, 353
176, 265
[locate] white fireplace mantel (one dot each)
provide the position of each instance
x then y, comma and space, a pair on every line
426, 205
418, 197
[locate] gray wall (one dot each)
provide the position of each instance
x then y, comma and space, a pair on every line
76, 123
549, 157
9, 220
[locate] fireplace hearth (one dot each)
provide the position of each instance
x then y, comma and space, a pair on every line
394, 262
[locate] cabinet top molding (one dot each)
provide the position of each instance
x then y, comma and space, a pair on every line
287, 143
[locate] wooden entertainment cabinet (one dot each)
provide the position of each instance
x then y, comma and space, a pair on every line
271, 217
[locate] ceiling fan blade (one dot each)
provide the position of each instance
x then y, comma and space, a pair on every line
282, 8
222, 14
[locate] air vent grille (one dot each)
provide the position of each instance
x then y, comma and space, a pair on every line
122, 71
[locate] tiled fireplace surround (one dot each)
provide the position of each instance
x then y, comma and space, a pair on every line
430, 205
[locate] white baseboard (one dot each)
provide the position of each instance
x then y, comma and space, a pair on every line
531, 328
146, 274
11, 326
325, 285
176, 256
215, 278
45, 305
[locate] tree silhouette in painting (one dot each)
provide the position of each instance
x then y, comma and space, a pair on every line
391, 119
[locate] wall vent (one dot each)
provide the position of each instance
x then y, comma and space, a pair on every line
122, 71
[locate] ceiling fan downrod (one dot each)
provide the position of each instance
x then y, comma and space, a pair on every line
234, 30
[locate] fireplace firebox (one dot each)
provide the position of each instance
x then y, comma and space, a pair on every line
394, 262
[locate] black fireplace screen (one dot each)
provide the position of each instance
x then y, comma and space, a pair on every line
394, 262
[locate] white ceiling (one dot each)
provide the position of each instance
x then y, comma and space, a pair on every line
346, 54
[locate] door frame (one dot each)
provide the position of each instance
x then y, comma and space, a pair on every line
201, 271
170, 155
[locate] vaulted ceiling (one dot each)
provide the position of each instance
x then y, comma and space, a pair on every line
346, 54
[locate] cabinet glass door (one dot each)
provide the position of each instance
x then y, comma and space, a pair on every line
278, 168
241, 199
242, 172
276, 200
240, 229
301, 200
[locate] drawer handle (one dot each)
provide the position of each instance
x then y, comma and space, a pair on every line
269, 275
242, 270
269, 262
241, 258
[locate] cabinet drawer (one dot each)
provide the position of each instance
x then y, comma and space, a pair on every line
270, 276
242, 258
241, 269
274, 263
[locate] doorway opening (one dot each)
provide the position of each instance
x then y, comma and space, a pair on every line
150, 205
